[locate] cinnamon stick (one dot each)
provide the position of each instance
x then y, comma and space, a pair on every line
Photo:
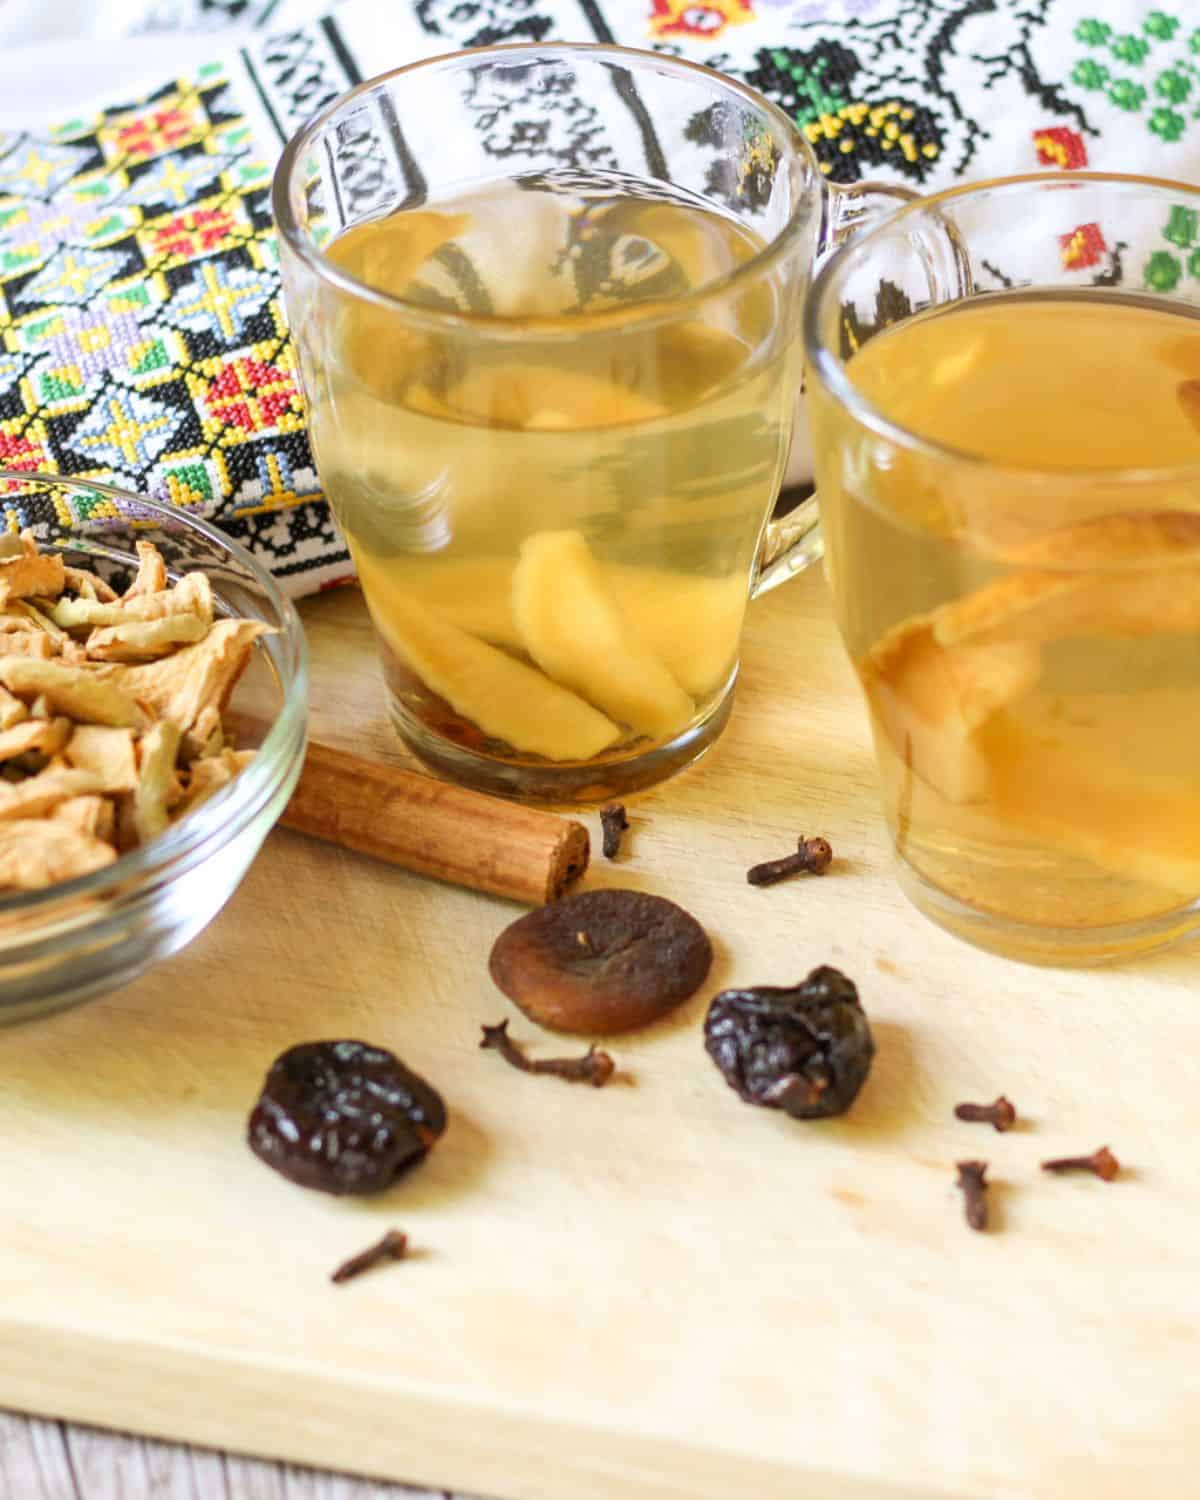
435, 828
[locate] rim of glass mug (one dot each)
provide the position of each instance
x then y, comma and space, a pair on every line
831, 368
836, 214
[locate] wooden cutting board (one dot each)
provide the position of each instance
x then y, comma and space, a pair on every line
649, 1290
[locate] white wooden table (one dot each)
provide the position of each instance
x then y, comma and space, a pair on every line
42, 1460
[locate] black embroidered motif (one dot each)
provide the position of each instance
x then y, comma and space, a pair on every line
580, 182
1114, 272
374, 170
482, 23
202, 15
1018, 58
299, 75
892, 305
288, 541
855, 122
224, 11
905, 92
911, 50
1000, 277
745, 179
609, 259
534, 111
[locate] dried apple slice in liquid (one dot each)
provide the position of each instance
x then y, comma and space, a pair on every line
690, 621
474, 593
931, 700
1187, 393
546, 398
505, 698
577, 634
1095, 794
1128, 818
1125, 576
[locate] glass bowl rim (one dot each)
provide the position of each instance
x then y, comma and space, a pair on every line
830, 368
220, 817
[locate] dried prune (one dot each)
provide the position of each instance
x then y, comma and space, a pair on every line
602, 961
344, 1117
805, 1049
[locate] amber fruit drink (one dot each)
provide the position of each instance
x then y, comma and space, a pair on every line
555, 529
1026, 621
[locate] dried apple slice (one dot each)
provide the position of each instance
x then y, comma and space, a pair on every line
45, 735
12, 710
181, 686
151, 574
691, 623
1121, 576
577, 634
388, 253
32, 643
156, 773
110, 754
209, 775
1116, 803
191, 596
81, 696
40, 852
88, 585
474, 593
1129, 541
503, 696
547, 398
41, 794
92, 814
931, 700
31, 574
145, 640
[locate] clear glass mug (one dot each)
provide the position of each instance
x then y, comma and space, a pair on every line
552, 400
1004, 385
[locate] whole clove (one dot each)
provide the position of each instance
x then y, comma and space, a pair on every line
1000, 1114
593, 1067
1101, 1163
812, 857
613, 822
393, 1246
972, 1179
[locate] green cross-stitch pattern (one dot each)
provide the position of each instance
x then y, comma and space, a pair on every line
1164, 270
1153, 72
195, 477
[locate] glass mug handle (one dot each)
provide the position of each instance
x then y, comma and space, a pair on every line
793, 541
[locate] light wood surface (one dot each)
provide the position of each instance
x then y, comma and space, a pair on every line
649, 1290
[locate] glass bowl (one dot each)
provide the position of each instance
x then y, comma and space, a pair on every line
84, 936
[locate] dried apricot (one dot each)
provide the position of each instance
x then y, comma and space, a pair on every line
601, 961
